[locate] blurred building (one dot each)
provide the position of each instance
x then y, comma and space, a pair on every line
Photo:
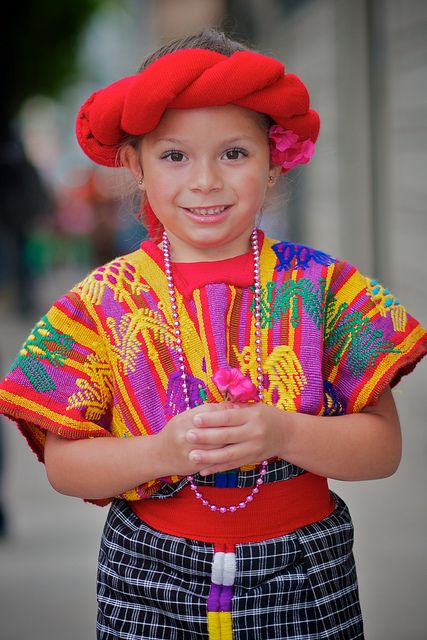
363, 197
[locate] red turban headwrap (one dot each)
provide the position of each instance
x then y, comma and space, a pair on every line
188, 79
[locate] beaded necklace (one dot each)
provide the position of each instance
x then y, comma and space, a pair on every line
260, 378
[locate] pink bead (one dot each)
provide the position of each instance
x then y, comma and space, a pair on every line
181, 359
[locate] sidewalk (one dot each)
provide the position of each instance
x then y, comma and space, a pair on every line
48, 562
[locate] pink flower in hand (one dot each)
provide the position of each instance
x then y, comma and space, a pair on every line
287, 149
234, 385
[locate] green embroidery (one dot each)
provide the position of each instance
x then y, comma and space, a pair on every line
354, 335
202, 394
44, 343
286, 299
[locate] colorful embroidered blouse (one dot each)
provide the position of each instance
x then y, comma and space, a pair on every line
104, 362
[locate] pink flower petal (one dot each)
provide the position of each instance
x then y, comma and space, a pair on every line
235, 385
287, 150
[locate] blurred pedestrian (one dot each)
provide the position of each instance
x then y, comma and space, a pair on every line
24, 198
235, 373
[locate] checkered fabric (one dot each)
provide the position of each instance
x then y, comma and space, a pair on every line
301, 586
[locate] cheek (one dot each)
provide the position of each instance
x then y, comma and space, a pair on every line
159, 187
253, 188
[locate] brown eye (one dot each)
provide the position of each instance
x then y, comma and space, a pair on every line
235, 154
173, 156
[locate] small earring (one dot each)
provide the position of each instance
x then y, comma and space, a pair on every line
141, 180
271, 179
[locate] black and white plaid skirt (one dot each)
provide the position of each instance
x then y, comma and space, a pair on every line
300, 586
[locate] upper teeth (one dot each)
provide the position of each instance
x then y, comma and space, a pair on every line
207, 212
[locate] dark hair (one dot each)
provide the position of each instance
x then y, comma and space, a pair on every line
208, 39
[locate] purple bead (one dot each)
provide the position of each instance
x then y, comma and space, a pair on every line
249, 499
242, 505
223, 509
198, 495
233, 508
255, 490
205, 503
213, 507
260, 481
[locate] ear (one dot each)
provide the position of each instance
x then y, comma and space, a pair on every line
130, 159
273, 173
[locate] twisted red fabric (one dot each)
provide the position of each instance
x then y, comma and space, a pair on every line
188, 79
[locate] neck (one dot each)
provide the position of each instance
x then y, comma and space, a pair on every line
183, 252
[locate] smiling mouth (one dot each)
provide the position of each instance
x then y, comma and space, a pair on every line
207, 211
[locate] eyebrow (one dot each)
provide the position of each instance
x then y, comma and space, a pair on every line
226, 142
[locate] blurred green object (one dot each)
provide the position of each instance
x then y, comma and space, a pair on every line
39, 46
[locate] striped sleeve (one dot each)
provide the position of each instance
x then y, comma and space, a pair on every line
370, 340
61, 379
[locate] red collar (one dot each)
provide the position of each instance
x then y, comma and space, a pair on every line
188, 276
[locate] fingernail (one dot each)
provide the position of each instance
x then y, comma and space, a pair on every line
194, 456
197, 419
191, 436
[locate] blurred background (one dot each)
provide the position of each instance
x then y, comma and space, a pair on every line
363, 197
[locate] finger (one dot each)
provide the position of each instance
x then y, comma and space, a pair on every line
210, 407
216, 437
224, 417
227, 457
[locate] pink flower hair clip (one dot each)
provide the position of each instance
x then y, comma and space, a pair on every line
287, 149
234, 385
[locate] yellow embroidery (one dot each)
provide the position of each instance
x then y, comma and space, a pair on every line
121, 276
285, 374
127, 344
95, 394
387, 303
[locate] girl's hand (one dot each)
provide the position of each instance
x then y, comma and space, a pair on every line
235, 435
174, 445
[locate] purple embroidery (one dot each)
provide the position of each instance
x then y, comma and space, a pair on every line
175, 402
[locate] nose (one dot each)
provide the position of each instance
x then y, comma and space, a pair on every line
206, 177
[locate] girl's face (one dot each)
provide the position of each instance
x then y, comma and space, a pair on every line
206, 172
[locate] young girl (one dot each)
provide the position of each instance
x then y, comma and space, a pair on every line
208, 383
